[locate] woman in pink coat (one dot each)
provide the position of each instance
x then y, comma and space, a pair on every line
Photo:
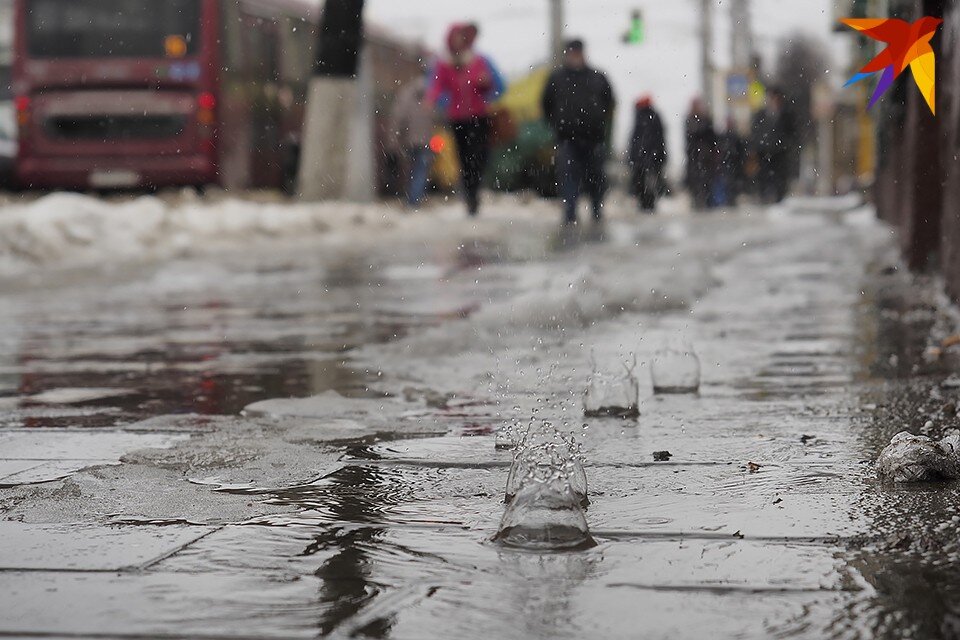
463, 86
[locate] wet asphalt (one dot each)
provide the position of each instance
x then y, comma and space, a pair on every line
299, 441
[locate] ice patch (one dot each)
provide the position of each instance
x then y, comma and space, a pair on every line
329, 405
70, 395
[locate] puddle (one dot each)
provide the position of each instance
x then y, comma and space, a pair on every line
393, 537
188, 352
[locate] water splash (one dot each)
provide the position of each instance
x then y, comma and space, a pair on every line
676, 369
544, 461
545, 515
614, 395
509, 435
546, 492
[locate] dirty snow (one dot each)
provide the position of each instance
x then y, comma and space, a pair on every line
68, 230
912, 458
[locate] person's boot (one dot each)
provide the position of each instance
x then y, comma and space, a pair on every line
473, 204
597, 231
567, 237
597, 213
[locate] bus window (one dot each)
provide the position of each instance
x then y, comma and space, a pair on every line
111, 28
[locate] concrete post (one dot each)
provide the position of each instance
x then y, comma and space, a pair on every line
331, 101
741, 55
706, 53
556, 31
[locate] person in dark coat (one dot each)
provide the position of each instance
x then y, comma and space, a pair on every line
732, 150
768, 144
647, 155
578, 104
701, 152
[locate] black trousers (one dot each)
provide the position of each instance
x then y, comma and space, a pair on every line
580, 168
473, 145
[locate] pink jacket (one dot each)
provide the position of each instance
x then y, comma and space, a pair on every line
464, 92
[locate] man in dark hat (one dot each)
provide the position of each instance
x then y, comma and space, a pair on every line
769, 133
578, 103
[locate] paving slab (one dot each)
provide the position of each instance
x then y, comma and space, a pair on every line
87, 547
157, 605
101, 445
14, 467
40, 472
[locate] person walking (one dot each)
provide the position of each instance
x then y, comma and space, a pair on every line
732, 152
578, 103
465, 85
701, 152
767, 145
411, 127
647, 154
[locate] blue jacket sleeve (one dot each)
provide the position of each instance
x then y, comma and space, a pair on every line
498, 84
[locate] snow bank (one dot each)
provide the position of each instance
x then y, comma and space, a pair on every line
69, 230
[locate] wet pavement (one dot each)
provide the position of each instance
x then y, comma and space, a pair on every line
299, 442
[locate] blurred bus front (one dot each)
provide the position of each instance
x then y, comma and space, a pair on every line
116, 93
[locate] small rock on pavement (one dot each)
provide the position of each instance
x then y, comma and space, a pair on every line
661, 456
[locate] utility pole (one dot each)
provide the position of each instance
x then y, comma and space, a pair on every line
556, 31
331, 99
706, 53
741, 41
741, 54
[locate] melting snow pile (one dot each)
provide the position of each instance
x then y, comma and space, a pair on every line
910, 458
69, 229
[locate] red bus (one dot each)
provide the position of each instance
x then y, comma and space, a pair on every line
152, 93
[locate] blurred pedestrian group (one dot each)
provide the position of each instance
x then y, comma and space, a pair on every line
723, 165
458, 91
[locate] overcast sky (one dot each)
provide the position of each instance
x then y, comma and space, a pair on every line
514, 34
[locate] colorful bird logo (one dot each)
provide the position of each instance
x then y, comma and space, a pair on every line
908, 45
